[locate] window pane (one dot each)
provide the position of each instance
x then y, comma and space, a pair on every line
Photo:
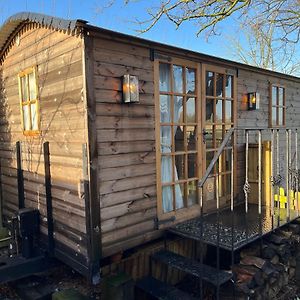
190, 81
190, 111
180, 167
209, 137
32, 86
24, 88
26, 117
228, 86
165, 139
167, 198
178, 110
228, 112
219, 135
179, 138
209, 157
274, 95
164, 78
166, 168
192, 165
192, 193
219, 111
280, 100
280, 116
177, 79
179, 194
274, 116
227, 154
209, 111
219, 89
191, 137
165, 109
209, 83
34, 117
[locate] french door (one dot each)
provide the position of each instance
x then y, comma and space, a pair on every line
218, 96
190, 124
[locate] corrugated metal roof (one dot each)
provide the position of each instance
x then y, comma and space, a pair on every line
12, 23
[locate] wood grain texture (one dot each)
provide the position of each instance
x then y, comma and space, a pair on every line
58, 58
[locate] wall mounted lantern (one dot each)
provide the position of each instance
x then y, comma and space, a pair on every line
130, 89
253, 101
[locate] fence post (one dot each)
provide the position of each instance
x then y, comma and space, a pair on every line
48, 198
20, 176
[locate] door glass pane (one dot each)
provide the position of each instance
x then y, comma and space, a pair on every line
228, 112
165, 109
192, 165
228, 86
179, 195
209, 136
219, 87
178, 110
32, 86
34, 119
179, 138
165, 139
167, 198
280, 100
280, 116
227, 159
209, 111
177, 79
191, 137
219, 135
164, 78
24, 88
190, 111
180, 167
209, 157
166, 168
274, 116
26, 117
219, 111
209, 83
274, 95
190, 81
192, 193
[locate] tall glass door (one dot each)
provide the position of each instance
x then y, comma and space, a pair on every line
219, 94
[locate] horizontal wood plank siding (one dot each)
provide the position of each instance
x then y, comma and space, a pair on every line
58, 59
126, 146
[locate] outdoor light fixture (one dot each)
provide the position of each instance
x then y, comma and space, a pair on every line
253, 101
130, 89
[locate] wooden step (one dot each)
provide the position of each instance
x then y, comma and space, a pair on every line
157, 289
209, 274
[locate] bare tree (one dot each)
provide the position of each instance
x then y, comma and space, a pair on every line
208, 14
258, 44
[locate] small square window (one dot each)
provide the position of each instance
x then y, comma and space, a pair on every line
28, 92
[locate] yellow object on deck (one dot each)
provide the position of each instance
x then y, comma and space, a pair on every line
283, 199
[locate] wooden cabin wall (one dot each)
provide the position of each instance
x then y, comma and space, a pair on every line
248, 81
58, 58
126, 146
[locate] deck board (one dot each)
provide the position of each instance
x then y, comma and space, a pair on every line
237, 228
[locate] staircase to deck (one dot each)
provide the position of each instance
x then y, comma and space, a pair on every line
229, 229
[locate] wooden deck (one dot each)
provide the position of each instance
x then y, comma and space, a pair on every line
233, 230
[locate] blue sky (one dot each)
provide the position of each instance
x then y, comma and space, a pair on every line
119, 17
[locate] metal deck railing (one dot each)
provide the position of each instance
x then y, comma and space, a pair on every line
239, 224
